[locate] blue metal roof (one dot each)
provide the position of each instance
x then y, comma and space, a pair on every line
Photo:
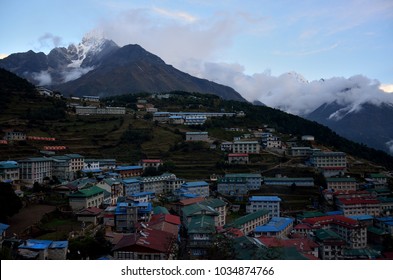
3, 227
385, 219
195, 184
97, 170
265, 198
361, 217
131, 181
333, 213
130, 167
141, 194
59, 244
35, 244
275, 224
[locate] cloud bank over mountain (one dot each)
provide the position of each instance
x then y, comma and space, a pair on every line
293, 93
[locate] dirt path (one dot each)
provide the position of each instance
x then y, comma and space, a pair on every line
26, 217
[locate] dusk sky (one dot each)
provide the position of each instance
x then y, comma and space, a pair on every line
223, 39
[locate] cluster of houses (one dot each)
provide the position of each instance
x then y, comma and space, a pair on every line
125, 203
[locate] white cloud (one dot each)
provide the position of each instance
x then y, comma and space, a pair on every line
177, 15
71, 74
291, 92
386, 88
44, 78
389, 144
3, 55
156, 31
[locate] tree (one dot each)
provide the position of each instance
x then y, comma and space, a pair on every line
10, 203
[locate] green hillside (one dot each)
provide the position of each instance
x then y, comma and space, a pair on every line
134, 136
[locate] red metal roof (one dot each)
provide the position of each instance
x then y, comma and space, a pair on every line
173, 219
190, 201
151, 160
150, 239
357, 200
91, 211
301, 244
335, 219
237, 155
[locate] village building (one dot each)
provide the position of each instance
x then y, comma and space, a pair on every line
13, 135
197, 136
89, 215
341, 184
359, 206
35, 169
246, 147
9, 171
43, 249
129, 171
247, 224
150, 163
238, 158
148, 244
279, 227
200, 232
198, 188
270, 203
239, 183
85, 198
330, 163
289, 182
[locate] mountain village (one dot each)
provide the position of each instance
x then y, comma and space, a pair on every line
145, 211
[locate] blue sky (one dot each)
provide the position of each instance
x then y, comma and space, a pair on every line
317, 39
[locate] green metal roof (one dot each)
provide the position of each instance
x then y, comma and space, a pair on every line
310, 214
160, 210
324, 234
196, 208
214, 203
370, 253
201, 224
376, 230
246, 175
94, 190
249, 217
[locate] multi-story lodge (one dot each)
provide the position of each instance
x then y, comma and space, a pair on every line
92, 110
330, 163
238, 158
85, 198
279, 227
239, 183
351, 231
247, 224
9, 171
270, 203
285, 181
197, 136
35, 169
359, 206
341, 184
65, 167
247, 147
150, 163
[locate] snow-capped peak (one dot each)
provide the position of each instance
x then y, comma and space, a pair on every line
92, 43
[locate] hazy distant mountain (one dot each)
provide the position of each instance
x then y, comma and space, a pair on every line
98, 66
371, 125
